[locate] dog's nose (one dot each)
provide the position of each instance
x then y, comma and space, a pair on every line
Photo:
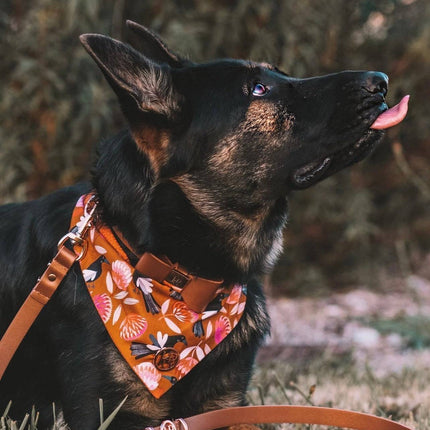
376, 82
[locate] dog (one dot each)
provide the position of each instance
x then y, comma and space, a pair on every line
201, 176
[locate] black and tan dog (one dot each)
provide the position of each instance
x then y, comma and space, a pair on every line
201, 176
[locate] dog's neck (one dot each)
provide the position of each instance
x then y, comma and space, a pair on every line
184, 222
253, 237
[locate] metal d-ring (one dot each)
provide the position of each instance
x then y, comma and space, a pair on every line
183, 423
171, 425
168, 425
76, 241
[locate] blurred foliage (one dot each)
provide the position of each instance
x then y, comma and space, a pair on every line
415, 329
374, 217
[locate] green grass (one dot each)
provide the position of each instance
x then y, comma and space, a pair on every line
414, 329
327, 381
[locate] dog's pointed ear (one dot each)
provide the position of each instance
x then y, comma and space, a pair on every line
151, 46
141, 84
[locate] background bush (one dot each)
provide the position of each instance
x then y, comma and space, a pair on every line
352, 228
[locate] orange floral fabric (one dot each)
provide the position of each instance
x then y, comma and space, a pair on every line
143, 316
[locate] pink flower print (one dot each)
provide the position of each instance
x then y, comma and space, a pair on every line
132, 327
149, 375
235, 294
103, 305
121, 274
183, 313
185, 365
222, 328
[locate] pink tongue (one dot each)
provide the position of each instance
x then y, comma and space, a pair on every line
392, 116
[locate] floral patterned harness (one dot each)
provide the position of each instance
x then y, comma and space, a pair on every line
155, 331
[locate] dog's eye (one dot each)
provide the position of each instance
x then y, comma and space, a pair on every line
259, 90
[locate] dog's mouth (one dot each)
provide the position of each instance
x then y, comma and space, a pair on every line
315, 171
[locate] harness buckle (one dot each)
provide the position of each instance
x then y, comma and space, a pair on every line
178, 278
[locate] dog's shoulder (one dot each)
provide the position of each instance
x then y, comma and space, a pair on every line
29, 231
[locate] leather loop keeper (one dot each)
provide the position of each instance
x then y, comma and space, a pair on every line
196, 292
30, 309
199, 293
286, 414
153, 267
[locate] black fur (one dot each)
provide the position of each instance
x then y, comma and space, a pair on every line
202, 176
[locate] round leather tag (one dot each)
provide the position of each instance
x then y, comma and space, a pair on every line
166, 359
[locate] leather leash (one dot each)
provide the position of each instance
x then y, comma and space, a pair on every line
44, 289
30, 309
281, 414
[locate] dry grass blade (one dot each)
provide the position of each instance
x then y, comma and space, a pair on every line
282, 387
24, 422
110, 418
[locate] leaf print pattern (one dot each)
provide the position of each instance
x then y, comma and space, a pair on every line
100, 249
143, 316
172, 325
116, 314
109, 282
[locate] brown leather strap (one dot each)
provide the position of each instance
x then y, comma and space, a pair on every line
196, 292
30, 309
281, 414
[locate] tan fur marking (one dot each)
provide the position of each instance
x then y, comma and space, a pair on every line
155, 144
227, 401
224, 156
261, 115
288, 122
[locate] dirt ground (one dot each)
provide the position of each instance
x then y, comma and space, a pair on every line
345, 324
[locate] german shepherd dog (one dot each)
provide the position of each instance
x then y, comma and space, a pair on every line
201, 176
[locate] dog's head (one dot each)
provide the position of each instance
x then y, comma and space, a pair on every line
234, 118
